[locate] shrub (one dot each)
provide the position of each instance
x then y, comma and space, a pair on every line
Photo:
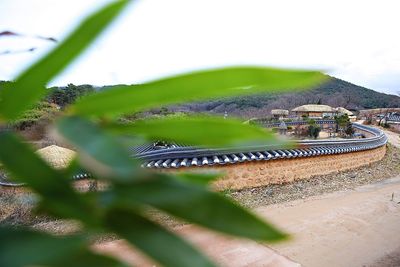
313, 131
42, 112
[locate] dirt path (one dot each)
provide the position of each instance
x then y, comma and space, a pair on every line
394, 138
355, 227
358, 228
348, 228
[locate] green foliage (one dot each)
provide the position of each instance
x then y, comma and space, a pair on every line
211, 131
99, 152
43, 111
343, 125
342, 120
192, 86
178, 198
68, 95
30, 86
151, 238
313, 130
122, 207
53, 186
40, 249
311, 122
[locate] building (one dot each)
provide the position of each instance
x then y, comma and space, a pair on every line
342, 111
279, 113
393, 117
377, 112
315, 111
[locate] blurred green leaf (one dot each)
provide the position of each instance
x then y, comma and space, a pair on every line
88, 259
51, 185
22, 247
160, 244
98, 151
194, 86
207, 131
200, 178
30, 85
195, 204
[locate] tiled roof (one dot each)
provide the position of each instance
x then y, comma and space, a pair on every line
190, 156
395, 117
178, 156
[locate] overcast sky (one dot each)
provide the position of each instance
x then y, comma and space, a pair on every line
357, 41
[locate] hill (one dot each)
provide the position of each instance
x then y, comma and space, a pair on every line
335, 93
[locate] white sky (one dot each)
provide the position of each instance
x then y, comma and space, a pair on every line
357, 41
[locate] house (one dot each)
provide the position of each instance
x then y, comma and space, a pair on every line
393, 118
279, 113
315, 111
342, 111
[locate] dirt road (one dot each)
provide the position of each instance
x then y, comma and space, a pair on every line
394, 138
352, 228
358, 228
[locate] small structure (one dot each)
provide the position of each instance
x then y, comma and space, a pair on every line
283, 128
349, 114
279, 113
393, 118
57, 157
315, 111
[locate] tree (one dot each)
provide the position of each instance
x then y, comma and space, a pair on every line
313, 129
64, 96
343, 125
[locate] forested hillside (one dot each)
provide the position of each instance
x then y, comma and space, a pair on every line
335, 93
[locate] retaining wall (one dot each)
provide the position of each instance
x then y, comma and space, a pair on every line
261, 173
263, 165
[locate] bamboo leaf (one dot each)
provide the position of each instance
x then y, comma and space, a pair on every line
54, 188
98, 151
21, 248
194, 86
30, 85
160, 244
195, 204
200, 178
205, 131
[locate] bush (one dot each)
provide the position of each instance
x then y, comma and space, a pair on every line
42, 112
313, 131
